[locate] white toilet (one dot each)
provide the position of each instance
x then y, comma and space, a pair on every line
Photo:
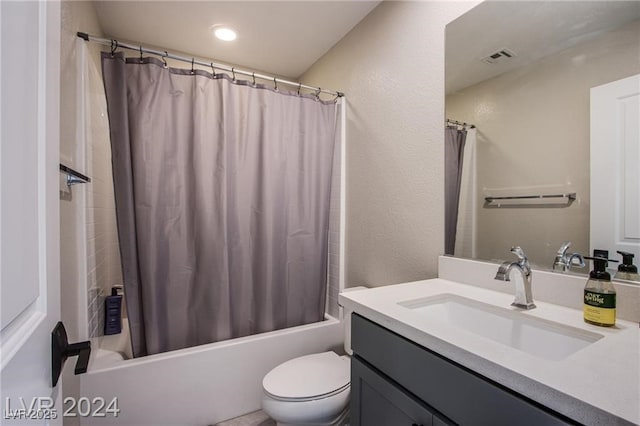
309, 390
312, 390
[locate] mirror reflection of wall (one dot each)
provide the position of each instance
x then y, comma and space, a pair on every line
532, 116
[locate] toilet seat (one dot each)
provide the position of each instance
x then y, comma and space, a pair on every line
312, 398
309, 377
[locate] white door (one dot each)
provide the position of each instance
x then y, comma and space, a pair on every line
29, 205
615, 167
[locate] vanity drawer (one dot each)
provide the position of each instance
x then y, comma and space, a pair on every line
463, 396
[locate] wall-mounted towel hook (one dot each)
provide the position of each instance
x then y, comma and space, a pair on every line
61, 349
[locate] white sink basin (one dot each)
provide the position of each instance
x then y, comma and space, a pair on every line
535, 336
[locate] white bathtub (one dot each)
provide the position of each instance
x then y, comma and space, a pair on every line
107, 351
198, 386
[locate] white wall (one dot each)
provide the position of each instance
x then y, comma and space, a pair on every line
533, 130
391, 67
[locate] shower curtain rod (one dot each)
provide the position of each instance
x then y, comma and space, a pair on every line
458, 123
115, 44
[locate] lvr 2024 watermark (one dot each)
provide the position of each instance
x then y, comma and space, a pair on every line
43, 408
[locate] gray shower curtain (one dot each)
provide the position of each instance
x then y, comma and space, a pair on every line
454, 139
222, 199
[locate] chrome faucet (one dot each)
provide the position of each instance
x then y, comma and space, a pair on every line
524, 297
564, 260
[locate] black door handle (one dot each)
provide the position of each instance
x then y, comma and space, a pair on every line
61, 350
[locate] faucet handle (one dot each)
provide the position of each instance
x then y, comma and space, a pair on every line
563, 248
580, 260
520, 253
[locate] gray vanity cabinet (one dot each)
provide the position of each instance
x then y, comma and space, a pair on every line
395, 382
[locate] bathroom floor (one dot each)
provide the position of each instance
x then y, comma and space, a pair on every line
257, 418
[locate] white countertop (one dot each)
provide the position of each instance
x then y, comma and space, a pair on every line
588, 386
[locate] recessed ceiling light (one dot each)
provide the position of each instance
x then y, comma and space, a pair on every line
224, 33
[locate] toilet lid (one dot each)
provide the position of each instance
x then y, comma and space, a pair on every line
308, 376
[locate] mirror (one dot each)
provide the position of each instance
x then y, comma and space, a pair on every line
521, 73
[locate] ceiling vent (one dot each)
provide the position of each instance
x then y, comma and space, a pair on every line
501, 55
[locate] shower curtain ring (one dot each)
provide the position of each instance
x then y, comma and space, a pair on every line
114, 47
233, 73
164, 61
192, 69
299, 87
318, 93
253, 74
275, 84
141, 60
213, 70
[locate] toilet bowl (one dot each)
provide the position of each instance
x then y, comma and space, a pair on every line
312, 390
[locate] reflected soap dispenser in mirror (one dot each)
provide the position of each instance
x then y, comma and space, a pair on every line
627, 270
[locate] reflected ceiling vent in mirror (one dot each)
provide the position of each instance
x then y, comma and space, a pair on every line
500, 55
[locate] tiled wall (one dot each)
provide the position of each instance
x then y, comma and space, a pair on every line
333, 276
103, 257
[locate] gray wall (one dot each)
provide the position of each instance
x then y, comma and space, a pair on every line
391, 67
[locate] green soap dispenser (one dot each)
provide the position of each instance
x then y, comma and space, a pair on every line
599, 294
627, 270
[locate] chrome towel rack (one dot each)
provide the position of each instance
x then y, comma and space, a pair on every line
570, 196
530, 201
73, 176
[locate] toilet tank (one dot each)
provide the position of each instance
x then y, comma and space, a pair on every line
346, 320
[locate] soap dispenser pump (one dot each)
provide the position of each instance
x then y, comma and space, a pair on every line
627, 270
599, 294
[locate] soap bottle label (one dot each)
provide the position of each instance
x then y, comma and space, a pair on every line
600, 308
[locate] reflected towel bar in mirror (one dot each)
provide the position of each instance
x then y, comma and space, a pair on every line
73, 176
542, 197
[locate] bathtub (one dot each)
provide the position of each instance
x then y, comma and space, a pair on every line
202, 385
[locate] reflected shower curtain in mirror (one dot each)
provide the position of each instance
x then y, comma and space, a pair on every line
453, 158
466, 227
222, 199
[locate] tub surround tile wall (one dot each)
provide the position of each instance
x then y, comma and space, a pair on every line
95, 306
560, 289
103, 254
75, 294
85, 144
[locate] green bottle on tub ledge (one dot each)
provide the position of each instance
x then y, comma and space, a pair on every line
599, 294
